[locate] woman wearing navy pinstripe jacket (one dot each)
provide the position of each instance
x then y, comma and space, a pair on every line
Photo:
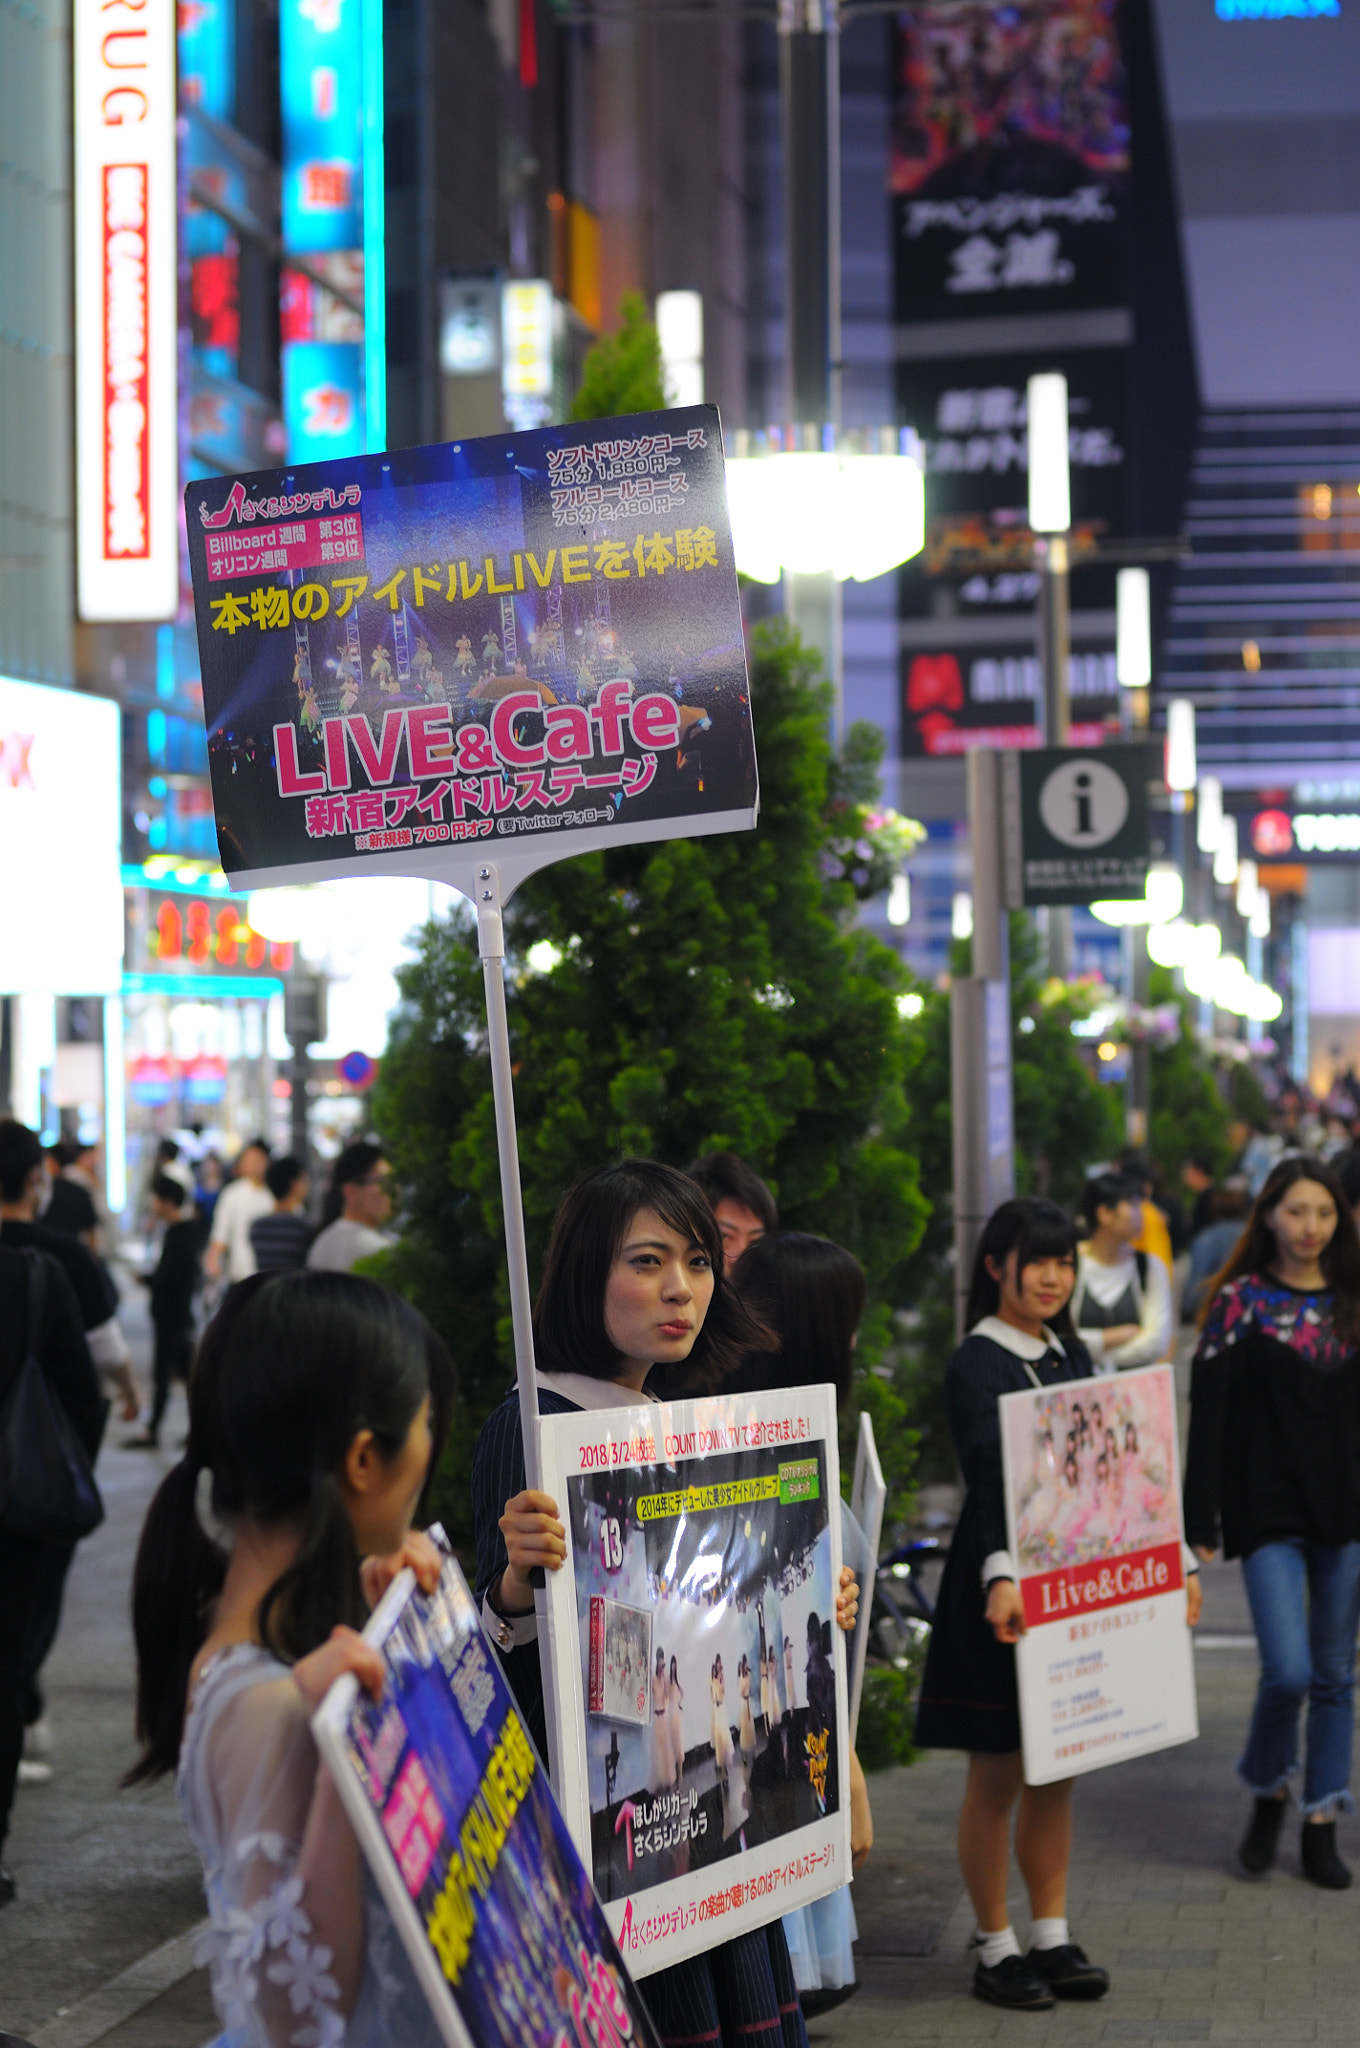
632, 1281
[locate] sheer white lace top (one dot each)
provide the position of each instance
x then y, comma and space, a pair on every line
247, 1773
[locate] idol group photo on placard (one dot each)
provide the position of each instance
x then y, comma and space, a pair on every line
1093, 1470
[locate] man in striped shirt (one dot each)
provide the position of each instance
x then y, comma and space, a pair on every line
280, 1239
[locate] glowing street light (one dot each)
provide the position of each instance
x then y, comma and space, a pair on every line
1050, 480
1181, 767
1133, 630
852, 506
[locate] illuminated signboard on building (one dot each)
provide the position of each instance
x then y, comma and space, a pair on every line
170, 932
527, 351
127, 525
60, 825
321, 87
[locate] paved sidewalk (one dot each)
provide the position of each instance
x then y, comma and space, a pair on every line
99, 1948
105, 1876
1196, 1953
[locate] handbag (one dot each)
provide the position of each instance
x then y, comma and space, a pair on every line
47, 1484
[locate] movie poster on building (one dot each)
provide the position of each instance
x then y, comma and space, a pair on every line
1105, 1668
528, 645
474, 1861
727, 1804
1010, 158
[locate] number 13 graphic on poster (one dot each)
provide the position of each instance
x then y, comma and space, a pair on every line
611, 1544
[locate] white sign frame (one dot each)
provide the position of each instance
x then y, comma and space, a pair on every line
684, 1915
868, 1498
1111, 1675
126, 284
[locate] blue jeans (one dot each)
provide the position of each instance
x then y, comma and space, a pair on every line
1305, 1605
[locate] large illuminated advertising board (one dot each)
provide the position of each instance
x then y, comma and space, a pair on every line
127, 454
61, 932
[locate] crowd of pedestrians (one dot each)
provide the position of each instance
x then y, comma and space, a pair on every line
319, 1403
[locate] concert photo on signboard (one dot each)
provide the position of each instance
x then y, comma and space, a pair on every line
731, 1563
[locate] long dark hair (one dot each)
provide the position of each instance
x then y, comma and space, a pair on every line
354, 1164
811, 1293
1256, 1252
589, 1228
1106, 1191
1033, 1229
290, 1369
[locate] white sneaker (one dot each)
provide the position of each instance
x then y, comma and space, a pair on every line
38, 1738
33, 1773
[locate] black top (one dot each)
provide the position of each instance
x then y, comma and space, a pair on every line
980, 1371
59, 1342
94, 1290
497, 1476
280, 1241
176, 1276
1274, 1449
71, 1208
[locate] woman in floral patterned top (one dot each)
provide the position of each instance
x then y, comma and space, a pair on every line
1273, 1472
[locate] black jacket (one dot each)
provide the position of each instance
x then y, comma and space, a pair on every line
59, 1343
176, 1276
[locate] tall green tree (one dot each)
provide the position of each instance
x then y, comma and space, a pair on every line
622, 372
667, 999
1065, 1121
1189, 1112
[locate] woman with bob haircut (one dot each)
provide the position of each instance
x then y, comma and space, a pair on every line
1272, 1471
633, 1281
318, 1405
811, 1292
1019, 1335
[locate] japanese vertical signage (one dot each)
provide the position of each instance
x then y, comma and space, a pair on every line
507, 1942
127, 455
528, 638
701, 1678
1093, 1514
1009, 172
321, 86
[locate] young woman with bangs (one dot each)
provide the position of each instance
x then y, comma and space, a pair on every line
318, 1405
1020, 1335
1272, 1473
632, 1284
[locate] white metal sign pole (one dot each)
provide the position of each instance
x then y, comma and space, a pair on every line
491, 947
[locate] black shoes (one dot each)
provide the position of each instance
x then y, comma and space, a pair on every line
1067, 1971
1321, 1864
1256, 1851
9, 1891
814, 2003
1013, 1983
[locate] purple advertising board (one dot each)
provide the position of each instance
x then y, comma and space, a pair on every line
519, 648
506, 1936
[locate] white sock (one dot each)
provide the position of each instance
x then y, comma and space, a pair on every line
994, 1948
1049, 1934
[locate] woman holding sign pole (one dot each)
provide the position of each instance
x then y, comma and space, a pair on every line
633, 1279
1273, 1472
1019, 1335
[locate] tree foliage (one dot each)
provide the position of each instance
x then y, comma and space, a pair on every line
1188, 1110
1065, 1122
665, 999
622, 372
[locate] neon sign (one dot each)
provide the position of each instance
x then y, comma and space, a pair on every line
127, 454
207, 936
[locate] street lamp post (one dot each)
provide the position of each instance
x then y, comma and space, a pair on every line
809, 83
1133, 671
1050, 517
